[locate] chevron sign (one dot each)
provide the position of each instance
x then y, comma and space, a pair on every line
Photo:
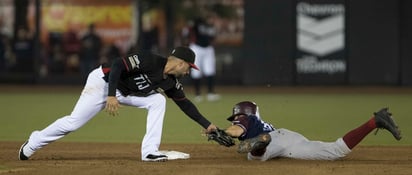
320, 38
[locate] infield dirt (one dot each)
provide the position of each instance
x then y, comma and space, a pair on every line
206, 159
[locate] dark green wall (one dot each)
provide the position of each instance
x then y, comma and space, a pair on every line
378, 42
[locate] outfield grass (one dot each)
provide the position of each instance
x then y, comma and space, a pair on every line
319, 116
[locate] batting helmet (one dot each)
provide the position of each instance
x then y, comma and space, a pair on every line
246, 108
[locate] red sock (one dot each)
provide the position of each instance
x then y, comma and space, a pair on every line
352, 138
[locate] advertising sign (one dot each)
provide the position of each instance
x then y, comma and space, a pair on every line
320, 45
113, 19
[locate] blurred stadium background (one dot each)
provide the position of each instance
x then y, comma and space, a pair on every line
276, 43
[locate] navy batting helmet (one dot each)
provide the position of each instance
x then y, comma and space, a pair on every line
244, 107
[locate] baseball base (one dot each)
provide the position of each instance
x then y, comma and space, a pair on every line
173, 155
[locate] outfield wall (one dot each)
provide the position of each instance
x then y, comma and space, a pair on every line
298, 42
377, 41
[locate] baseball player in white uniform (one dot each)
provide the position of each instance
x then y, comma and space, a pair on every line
202, 35
137, 80
262, 141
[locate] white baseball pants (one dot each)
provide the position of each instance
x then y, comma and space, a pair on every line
286, 143
205, 60
91, 101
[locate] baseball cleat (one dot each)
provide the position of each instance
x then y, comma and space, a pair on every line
213, 97
21, 153
155, 158
198, 99
384, 120
256, 143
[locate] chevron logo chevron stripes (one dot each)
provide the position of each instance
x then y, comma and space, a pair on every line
320, 36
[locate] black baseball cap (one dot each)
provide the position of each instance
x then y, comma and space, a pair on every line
185, 54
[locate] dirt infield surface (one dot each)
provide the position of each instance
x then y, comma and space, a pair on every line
210, 159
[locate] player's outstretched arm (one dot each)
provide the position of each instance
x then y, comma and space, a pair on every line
234, 131
192, 112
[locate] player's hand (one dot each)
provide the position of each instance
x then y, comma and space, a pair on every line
210, 128
112, 105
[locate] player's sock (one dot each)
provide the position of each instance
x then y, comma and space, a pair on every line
196, 83
355, 136
210, 84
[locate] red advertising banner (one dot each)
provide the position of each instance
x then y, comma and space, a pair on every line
113, 19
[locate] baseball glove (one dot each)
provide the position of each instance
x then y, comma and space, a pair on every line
221, 137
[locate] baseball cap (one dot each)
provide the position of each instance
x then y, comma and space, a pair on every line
244, 108
185, 54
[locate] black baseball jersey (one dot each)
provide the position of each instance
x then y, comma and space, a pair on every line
203, 33
252, 126
141, 74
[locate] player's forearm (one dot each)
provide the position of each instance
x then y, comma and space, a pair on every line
234, 131
191, 111
114, 76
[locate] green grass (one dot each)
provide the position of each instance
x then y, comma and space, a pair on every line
318, 116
